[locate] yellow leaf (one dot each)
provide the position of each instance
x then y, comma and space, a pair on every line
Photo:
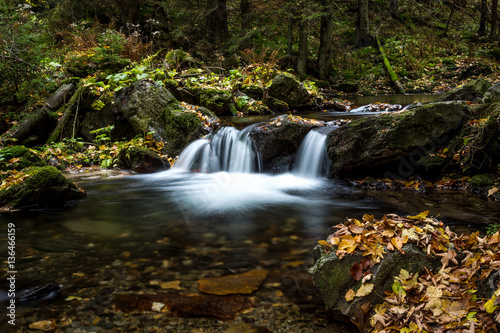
420, 216
349, 295
492, 191
348, 244
365, 289
324, 243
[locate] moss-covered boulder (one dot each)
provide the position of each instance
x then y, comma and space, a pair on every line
216, 100
393, 144
279, 139
286, 88
492, 95
149, 107
253, 91
141, 160
38, 187
19, 157
472, 91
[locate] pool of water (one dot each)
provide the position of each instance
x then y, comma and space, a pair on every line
180, 226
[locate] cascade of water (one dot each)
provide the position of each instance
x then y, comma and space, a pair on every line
312, 158
194, 156
229, 150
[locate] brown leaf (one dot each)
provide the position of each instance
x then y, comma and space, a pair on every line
349, 295
356, 272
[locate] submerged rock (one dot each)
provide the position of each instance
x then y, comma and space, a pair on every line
141, 160
40, 187
393, 143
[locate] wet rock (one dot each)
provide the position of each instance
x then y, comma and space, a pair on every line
276, 105
286, 88
392, 144
349, 87
244, 283
41, 187
281, 137
41, 294
216, 100
141, 160
223, 307
150, 108
492, 95
472, 91
332, 276
255, 92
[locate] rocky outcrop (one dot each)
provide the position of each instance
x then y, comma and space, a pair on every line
150, 108
472, 91
393, 144
39, 187
286, 88
141, 160
492, 95
278, 140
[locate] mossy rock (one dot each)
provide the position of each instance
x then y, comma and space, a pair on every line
392, 145
19, 157
216, 100
492, 95
276, 105
255, 92
484, 180
472, 91
333, 278
141, 160
40, 187
286, 88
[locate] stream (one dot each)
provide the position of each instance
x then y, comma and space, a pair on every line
179, 226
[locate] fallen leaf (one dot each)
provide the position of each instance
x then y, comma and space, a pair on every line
356, 272
365, 289
350, 295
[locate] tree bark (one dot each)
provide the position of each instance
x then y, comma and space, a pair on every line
363, 37
290, 31
217, 21
482, 20
494, 20
129, 12
245, 12
326, 39
302, 58
394, 8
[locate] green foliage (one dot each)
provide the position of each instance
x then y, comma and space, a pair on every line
492, 228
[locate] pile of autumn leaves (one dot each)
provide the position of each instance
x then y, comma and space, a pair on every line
443, 301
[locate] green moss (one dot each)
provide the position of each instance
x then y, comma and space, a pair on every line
483, 180
23, 158
181, 128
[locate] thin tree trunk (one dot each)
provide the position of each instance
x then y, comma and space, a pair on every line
394, 8
449, 21
129, 13
325, 39
482, 21
494, 20
302, 58
290, 31
245, 12
363, 37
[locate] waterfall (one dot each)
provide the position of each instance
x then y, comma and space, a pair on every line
229, 150
312, 159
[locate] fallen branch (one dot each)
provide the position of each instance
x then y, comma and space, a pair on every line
56, 134
392, 75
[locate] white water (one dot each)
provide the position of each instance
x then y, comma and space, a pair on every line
312, 159
222, 175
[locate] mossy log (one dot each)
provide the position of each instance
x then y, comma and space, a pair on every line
393, 76
56, 134
26, 127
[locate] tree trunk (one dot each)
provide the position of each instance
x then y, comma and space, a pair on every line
392, 75
302, 58
326, 39
394, 8
494, 20
73, 102
363, 37
217, 21
245, 12
482, 21
290, 31
129, 13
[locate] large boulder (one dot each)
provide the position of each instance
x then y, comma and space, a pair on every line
393, 144
472, 91
372, 272
279, 139
18, 158
492, 95
38, 187
141, 160
286, 88
149, 107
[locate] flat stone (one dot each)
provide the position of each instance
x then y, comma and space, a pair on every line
244, 283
